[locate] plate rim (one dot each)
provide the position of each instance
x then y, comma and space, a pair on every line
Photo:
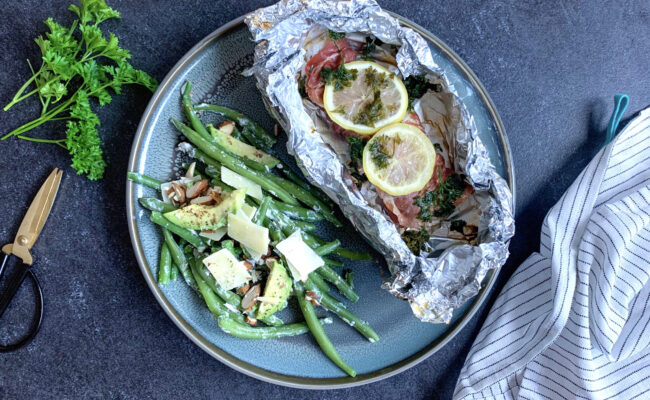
251, 369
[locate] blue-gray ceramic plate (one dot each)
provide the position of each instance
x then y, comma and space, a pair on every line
214, 66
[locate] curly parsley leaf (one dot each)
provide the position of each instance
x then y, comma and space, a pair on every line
340, 76
78, 63
356, 149
371, 45
417, 86
335, 36
441, 201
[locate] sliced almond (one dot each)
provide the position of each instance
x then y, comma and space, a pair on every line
214, 195
312, 297
190, 170
196, 189
242, 290
179, 192
227, 127
248, 265
251, 321
270, 262
203, 200
249, 298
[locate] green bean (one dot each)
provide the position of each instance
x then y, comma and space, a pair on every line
215, 304
236, 133
153, 204
297, 212
352, 254
144, 180
261, 136
174, 274
349, 278
249, 162
330, 275
286, 171
275, 232
339, 309
234, 164
191, 236
272, 320
252, 138
191, 115
287, 224
246, 331
333, 263
165, 265
307, 198
328, 247
260, 215
314, 241
319, 333
179, 259
319, 282
231, 300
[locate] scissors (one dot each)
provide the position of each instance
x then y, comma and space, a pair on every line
28, 232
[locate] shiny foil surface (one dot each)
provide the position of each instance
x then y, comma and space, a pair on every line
450, 272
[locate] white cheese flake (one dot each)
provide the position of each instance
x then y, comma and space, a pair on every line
250, 235
215, 235
301, 259
239, 182
248, 210
227, 271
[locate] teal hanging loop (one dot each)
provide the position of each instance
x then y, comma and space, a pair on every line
621, 102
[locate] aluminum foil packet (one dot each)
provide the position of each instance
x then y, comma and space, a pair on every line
449, 273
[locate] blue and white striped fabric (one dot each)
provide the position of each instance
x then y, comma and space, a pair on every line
573, 322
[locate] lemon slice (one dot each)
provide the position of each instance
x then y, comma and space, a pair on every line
399, 159
372, 99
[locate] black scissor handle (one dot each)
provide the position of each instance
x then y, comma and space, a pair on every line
7, 296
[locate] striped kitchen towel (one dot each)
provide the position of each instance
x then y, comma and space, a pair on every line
573, 322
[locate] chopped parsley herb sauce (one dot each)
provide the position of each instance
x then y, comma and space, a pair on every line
302, 88
382, 149
440, 202
375, 79
356, 149
335, 36
371, 45
417, 86
415, 240
371, 112
340, 77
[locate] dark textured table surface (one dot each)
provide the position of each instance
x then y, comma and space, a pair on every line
551, 68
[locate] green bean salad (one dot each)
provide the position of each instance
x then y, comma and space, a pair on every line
238, 227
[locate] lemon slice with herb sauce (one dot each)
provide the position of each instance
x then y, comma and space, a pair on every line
363, 97
399, 159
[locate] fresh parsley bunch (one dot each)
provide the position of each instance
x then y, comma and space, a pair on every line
78, 63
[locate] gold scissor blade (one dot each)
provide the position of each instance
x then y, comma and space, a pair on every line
38, 211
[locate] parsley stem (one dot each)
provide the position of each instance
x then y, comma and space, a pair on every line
41, 120
58, 142
17, 98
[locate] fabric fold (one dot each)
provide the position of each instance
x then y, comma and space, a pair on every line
574, 319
